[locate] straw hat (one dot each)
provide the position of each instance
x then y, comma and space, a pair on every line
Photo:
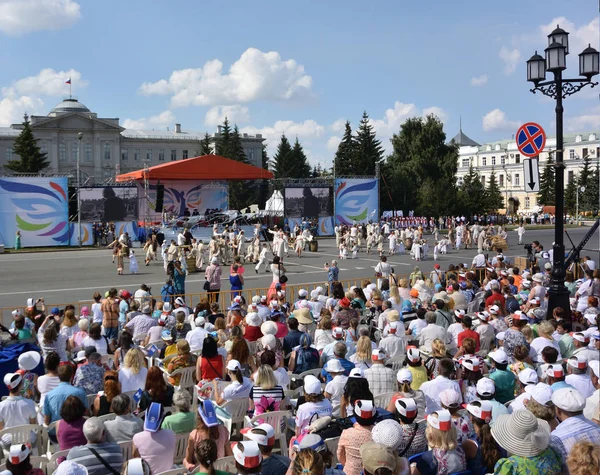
303, 316
521, 433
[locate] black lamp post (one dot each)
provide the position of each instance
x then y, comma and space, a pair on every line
559, 89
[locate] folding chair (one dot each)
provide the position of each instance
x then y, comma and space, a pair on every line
180, 447
382, 400
22, 435
52, 463
226, 464
237, 410
277, 420
332, 445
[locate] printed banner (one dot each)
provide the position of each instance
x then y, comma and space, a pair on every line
325, 225
108, 204
36, 207
356, 200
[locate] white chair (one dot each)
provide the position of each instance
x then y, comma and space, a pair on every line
133, 403
315, 372
332, 445
382, 400
252, 347
108, 417
186, 380
50, 446
395, 363
109, 360
22, 435
126, 449
90, 400
180, 447
236, 409
52, 463
277, 420
226, 464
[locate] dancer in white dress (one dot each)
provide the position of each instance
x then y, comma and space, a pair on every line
393, 240
133, 263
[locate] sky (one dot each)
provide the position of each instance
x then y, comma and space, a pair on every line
301, 68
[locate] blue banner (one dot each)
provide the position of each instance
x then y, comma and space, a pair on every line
356, 200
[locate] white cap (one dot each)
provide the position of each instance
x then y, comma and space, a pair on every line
595, 367
365, 409
407, 407
450, 397
500, 336
267, 439
413, 354
80, 356
494, 309
555, 371
320, 290
12, 380
338, 333
486, 387
18, 453
378, 354
441, 420
404, 376
180, 301
541, 392
167, 307
568, 399
247, 453
481, 409
499, 356
393, 328
303, 293
334, 366
528, 376
581, 337
200, 321
312, 385
356, 373
232, 365
578, 362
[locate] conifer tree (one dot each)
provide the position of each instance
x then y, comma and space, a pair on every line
223, 142
571, 196
346, 153
368, 149
282, 166
300, 166
31, 158
206, 146
547, 191
493, 195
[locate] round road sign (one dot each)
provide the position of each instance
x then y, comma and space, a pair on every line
531, 139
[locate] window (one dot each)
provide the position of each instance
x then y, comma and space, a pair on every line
517, 158
149, 155
161, 155
136, 154
584, 153
572, 154
87, 151
185, 154
517, 179
106, 151
502, 159
9, 154
500, 180
124, 154
527, 202
483, 161
465, 162
74, 150
62, 152
570, 176
173, 155
251, 155
493, 160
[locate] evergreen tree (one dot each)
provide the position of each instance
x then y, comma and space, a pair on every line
206, 146
282, 161
368, 149
344, 161
571, 197
301, 168
31, 158
594, 192
587, 200
547, 191
493, 195
263, 191
472, 193
223, 142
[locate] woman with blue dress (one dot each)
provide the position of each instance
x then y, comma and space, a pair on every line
236, 280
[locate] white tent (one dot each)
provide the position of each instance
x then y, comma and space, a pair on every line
274, 205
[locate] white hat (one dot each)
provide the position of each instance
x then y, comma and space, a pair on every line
472, 364
180, 301
499, 356
404, 376
302, 293
320, 290
334, 366
450, 398
256, 299
214, 260
256, 434
378, 354
232, 365
500, 336
518, 315
18, 453
16, 313
200, 321
12, 380
337, 333
577, 362
539, 277
312, 385
441, 420
263, 299
555, 371
167, 307
268, 328
459, 313
68, 467
388, 433
541, 392
80, 356
275, 304
481, 409
356, 373
407, 407
494, 309
528, 376
413, 354
526, 283
314, 294
393, 328
568, 399
365, 409
547, 266
483, 316
595, 367
486, 387
254, 320
269, 342
590, 317
30, 302
29, 360
581, 337
247, 454
521, 433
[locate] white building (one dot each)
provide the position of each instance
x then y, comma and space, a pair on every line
106, 148
504, 158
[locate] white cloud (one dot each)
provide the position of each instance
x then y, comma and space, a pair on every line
236, 114
579, 38
393, 119
47, 82
478, 81
254, 76
160, 121
590, 120
19, 17
333, 142
511, 59
12, 109
436, 111
339, 125
496, 120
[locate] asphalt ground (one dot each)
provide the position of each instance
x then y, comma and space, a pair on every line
72, 276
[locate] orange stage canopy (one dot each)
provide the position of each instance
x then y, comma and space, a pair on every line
206, 167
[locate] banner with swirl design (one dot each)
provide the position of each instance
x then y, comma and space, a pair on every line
38, 208
356, 200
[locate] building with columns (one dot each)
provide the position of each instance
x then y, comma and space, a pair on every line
106, 148
504, 159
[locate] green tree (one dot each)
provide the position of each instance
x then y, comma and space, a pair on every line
344, 161
223, 142
263, 191
588, 200
206, 146
547, 191
282, 161
301, 168
31, 158
368, 149
594, 192
571, 197
493, 195
471, 194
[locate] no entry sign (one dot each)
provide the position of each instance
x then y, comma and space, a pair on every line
531, 139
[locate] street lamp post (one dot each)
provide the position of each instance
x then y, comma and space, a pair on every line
559, 89
79, 137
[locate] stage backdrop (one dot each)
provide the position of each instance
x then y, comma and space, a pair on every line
356, 200
307, 202
182, 194
36, 206
109, 204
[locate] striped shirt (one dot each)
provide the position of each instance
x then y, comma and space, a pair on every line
111, 453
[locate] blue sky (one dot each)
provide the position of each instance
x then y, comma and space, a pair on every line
301, 68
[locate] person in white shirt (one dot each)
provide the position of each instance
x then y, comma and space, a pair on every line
545, 330
456, 328
433, 388
262, 259
432, 332
142, 295
479, 261
578, 377
181, 238
196, 337
238, 389
582, 350
315, 304
520, 233
335, 388
16, 410
315, 404
527, 377
394, 343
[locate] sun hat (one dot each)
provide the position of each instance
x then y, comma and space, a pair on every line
268, 328
595, 367
568, 399
528, 376
68, 467
85, 311
389, 433
269, 342
206, 411
521, 433
333, 366
494, 309
404, 376
167, 307
29, 360
392, 316
337, 333
136, 466
555, 371
12, 380
254, 320
378, 354
499, 356
472, 364
441, 420
18, 453
303, 316
154, 416
365, 409
356, 373
450, 398
541, 392
375, 456
200, 321
232, 365
413, 354
312, 385
303, 293
486, 387
255, 434
581, 337
577, 362
481, 409
539, 277
407, 407
247, 453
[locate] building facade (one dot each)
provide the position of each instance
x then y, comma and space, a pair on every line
504, 159
106, 149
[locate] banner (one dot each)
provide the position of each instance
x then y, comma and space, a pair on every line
38, 208
307, 202
109, 204
356, 200
325, 225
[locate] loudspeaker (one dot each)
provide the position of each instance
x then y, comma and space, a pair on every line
160, 195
